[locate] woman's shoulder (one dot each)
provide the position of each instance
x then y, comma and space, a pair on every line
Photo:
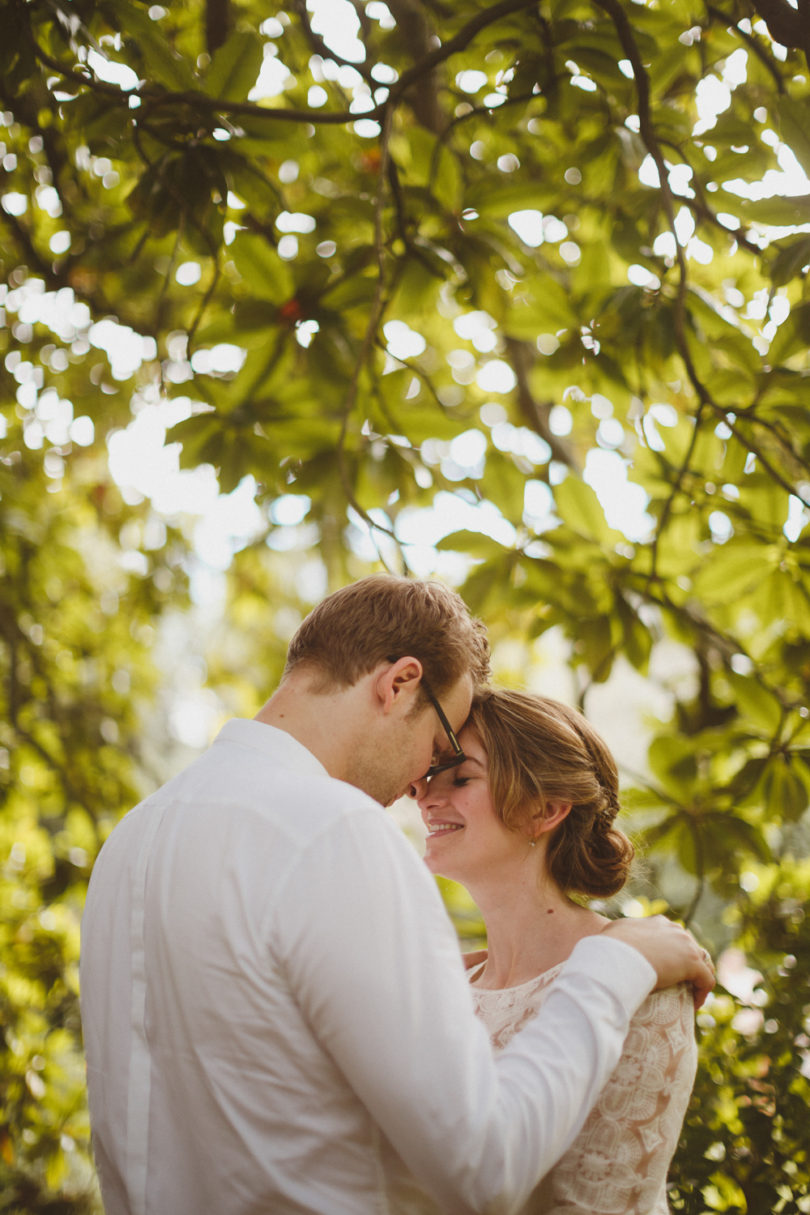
668, 1004
665, 1020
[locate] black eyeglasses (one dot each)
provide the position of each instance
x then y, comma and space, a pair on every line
458, 755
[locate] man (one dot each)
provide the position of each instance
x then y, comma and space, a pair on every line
275, 1010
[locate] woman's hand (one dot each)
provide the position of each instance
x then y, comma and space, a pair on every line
671, 950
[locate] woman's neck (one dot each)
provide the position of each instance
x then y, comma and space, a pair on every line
531, 926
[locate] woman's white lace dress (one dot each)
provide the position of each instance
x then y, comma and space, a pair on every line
618, 1163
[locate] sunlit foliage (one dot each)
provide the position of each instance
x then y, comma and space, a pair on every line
533, 265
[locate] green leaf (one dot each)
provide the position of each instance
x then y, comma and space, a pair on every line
785, 792
780, 211
540, 306
593, 646
673, 762
794, 118
302, 438
578, 505
730, 571
636, 637
235, 66
769, 504
475, 544
421, 421
744, 783
197, 435
600, 160
722, 833
498, 199
792, 336
756, 703
417, 287
254, 187
734, 461
261, 268
544, 579
159, 60
151, 201
427, 162
790, 261
781, 597
488, 583
504, 483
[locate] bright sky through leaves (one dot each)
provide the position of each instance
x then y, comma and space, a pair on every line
145, 467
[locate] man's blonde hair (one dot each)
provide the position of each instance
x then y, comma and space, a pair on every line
384, 617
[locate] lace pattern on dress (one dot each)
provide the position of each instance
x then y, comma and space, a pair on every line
618, 1163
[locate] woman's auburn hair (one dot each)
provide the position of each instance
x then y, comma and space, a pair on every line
384, 617
539, 751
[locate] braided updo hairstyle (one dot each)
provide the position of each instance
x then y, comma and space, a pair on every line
539, 751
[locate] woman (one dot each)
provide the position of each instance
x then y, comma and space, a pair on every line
525, 822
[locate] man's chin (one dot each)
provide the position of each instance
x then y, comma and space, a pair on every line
395, 797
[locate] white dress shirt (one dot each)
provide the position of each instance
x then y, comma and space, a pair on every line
277, 1018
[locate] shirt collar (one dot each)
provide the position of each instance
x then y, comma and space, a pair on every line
272, 743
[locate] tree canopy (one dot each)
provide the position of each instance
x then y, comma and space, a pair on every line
528, 269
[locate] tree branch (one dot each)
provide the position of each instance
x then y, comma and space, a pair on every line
786, 24
625, 32
375, 316
676, 488
217, 24
417, 35
154, 98
751, 42
320, 47
536, 413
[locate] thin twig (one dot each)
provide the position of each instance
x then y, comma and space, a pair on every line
377, 308
320, 47
675, 489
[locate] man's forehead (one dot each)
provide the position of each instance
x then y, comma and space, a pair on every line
459, 701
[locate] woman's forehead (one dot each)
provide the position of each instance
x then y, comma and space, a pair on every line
471, 744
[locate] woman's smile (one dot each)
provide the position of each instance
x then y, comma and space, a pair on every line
458, 802
437, 827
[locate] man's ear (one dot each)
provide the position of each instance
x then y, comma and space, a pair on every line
554, 815
398, 682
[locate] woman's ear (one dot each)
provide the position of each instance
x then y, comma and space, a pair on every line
554, 814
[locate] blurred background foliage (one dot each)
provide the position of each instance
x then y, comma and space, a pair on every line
527, 280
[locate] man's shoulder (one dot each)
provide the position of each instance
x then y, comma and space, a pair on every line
322, 803
304, 801
273, 792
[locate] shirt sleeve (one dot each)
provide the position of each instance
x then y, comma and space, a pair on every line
374, 965
620, 1159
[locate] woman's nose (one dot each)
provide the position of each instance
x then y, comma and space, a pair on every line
428, 790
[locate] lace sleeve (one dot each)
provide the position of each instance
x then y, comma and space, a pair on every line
618, 1163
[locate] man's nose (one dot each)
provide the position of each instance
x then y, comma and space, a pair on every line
419, 788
